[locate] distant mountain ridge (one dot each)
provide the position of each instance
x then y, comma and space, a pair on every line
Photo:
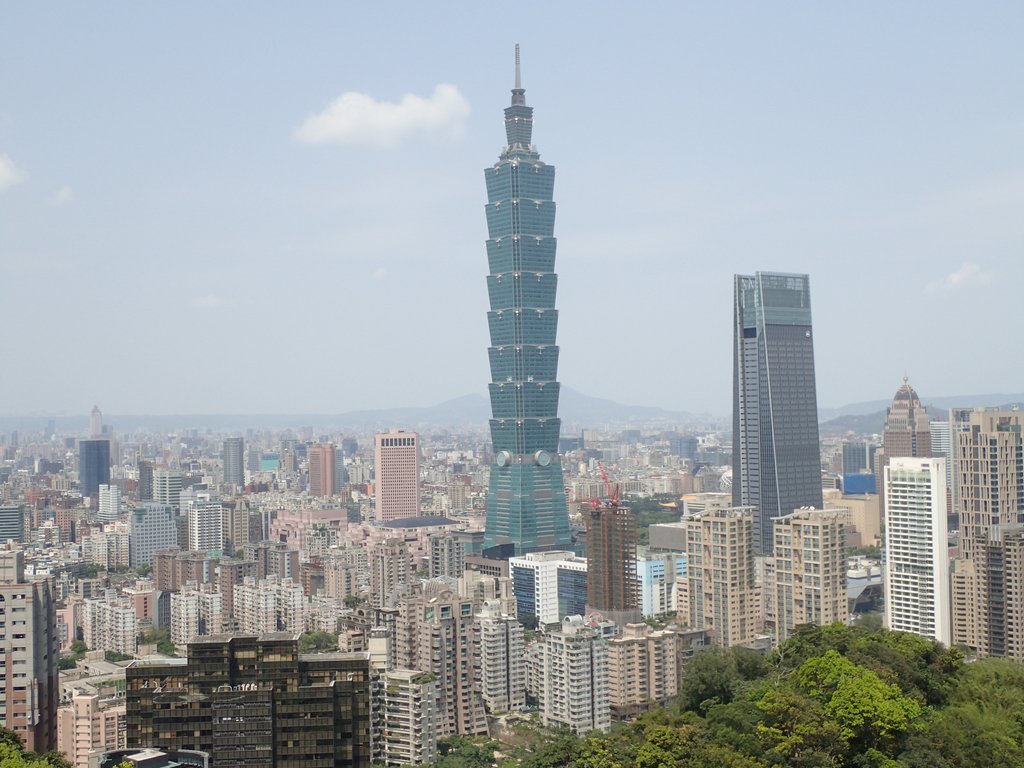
577, 411
871, 420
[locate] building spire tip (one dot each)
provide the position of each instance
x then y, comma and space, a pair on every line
519, 84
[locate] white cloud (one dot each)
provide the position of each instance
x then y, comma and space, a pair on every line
968, 274
358, 119
9, 173
64, 196
209, 301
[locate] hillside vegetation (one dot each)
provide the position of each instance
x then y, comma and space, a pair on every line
842, 697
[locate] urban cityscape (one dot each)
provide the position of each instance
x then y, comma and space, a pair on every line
531, 578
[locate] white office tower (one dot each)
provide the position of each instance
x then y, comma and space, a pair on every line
572, 678
500, 647
203, 511
167, 487
152, 528
110, 503
917, 597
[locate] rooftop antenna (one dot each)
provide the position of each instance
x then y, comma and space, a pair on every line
518, 78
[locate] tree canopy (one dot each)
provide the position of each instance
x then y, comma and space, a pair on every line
830, 697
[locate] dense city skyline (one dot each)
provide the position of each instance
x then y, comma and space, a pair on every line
167, 182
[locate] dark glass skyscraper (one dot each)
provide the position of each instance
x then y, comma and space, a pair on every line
93, 466
526, 508
776, 465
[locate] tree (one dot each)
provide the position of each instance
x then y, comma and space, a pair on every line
710, 678
310, 642
869, 712
353, 602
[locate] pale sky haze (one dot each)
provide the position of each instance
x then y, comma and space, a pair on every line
257, 207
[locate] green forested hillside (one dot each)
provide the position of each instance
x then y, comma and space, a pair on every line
836, 696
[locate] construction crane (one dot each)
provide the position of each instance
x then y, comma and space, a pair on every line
611, 499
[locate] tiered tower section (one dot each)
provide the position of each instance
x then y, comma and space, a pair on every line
526, 508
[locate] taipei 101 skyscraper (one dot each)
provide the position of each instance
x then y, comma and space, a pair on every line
526, 510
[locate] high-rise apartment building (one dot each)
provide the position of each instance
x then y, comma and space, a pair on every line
611, 563
195, 612
174, 568
272, 604
917, 597
434, 634
255, 702
501, 669
447, 556
234, 461
323, 469
93, 466
390, 572
809, 566
572, 677
988, 577
397, 475
204, 513
152, 529
776, 464
720, 561
526, 507
90, 722
31, 650
643, 669
407, 704
109, 623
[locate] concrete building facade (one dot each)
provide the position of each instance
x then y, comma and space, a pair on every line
397, 475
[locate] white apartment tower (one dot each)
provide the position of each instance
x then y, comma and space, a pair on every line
572, 678
109, 623
205, 521
397, 475
408, 708
501, 669
917, 593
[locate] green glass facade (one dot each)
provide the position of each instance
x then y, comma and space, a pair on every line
526, 508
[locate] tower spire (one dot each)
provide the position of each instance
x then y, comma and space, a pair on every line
518, 93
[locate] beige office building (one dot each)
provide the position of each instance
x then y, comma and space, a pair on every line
397, 475
322, 460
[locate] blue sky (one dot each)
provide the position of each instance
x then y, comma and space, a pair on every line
173, 240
